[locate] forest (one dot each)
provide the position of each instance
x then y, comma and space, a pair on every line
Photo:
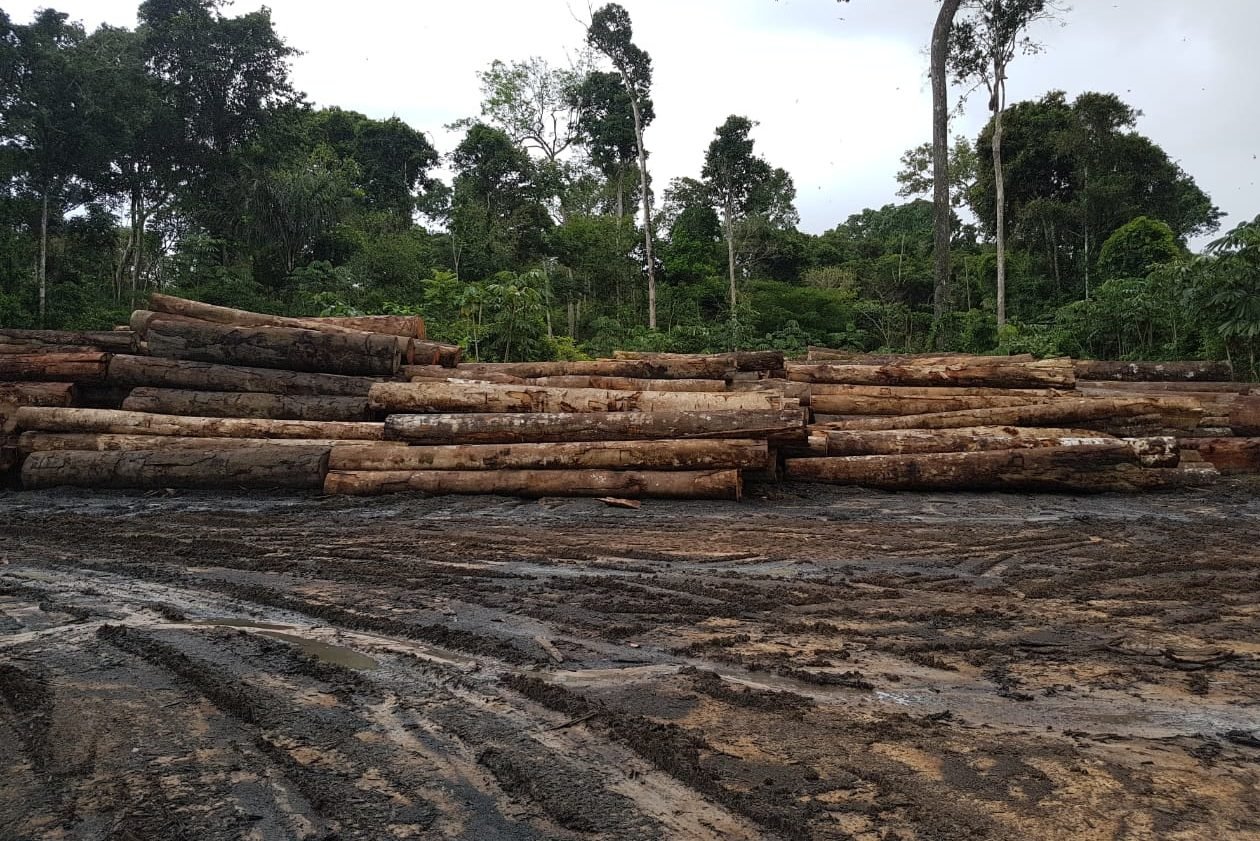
178, 157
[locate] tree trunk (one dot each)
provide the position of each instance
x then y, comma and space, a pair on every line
588, 455
512, 428
410, 326
1171, 412
999, 185
712, 484
1045, 372
728, 229
228, 404
705, 368
490, 397
39, 442
225, 468
205, 376
118, 422
1091, 369
60, 367
114, 341
896, 405
1199, 388
647, 206
942, 210
749, 360
43, 259
37, 394
288, 348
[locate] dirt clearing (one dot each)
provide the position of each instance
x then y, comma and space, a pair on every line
812, 663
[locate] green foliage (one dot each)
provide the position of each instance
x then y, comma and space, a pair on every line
1137, 248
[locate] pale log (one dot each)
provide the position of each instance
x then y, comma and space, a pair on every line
630, 484
751, 360
686, 454
224, 468
134, 371
893, 404
667, 369
969, 372
142, 423
524, 427
1170, 412
411, 326
59, 367
1091, 369
37, 442
248, 404
37, 394
627, 383
489, 397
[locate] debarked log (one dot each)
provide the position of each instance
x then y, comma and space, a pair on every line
686, 454
237, 404
115, 421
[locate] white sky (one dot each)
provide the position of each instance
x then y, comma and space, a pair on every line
839, 90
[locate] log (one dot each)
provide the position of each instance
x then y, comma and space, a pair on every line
628, 484
37, 394
236, 404
34, 349
1091, 369
707, 368
120, 341
1244, 416
415, 351
1046, 468
686, 454
254, 468
1228, 455
969, 372
627, 383
1170, 412
893, 401
411, 326
135, 371
802, 392
141, 423
751, 360
38, 442
508, 428
1192, 387
289, 348
488, 397
60, 367
820, 354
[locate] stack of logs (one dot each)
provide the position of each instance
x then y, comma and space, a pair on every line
192, 395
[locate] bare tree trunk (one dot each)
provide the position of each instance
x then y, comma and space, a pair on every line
941, 213
730, 252
43, 259
647, 211
999, 106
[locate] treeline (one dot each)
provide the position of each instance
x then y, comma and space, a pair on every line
178, 156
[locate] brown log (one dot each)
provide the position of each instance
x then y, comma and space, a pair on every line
1170, 412
506, 428
35, 349
751, 360
628, 484
1244, 416
802, 392
627, 383
1192, 387
663, 369
1228, 455
411, 326
1092, 369
237, 404
141, 423
37, 394
488, 397
60, 367
38, 442
1047, 468
276, 467
893, 401
969, 372
821, 354
119, 341
135, 371
289, 348
415, 351
686, 454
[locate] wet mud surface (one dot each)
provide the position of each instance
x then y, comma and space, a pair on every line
809, 664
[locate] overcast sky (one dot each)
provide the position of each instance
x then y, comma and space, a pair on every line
839, 90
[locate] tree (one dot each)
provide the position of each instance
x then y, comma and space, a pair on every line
611, 33
743, 186
605, 121
1227, 290
941, 224
984, 43
917, 175
1137, 248
533, 103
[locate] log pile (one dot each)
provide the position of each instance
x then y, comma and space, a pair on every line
192, 395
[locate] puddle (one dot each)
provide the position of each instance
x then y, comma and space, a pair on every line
336, 654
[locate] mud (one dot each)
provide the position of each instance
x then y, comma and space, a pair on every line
809, 664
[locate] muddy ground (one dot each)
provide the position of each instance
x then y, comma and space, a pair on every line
811, 663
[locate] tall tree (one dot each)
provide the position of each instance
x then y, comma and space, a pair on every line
611, 33
742, 185
984, 42
941, 208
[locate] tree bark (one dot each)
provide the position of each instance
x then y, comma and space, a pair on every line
290, 348
893, 401
231, 404
511, 428
647, 204
747, 360
999, 186
712, 484
1045, 372
43, 259
410, 326
489, 397
114, 341
942, 210
686, 454
1169, 412
225, 468
1228, 455
60, 367
206, 376
37, 394
1196, 387
627, 384
39, 442
1244, 416
118, 422
1091, 369
727, 228
664, 369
